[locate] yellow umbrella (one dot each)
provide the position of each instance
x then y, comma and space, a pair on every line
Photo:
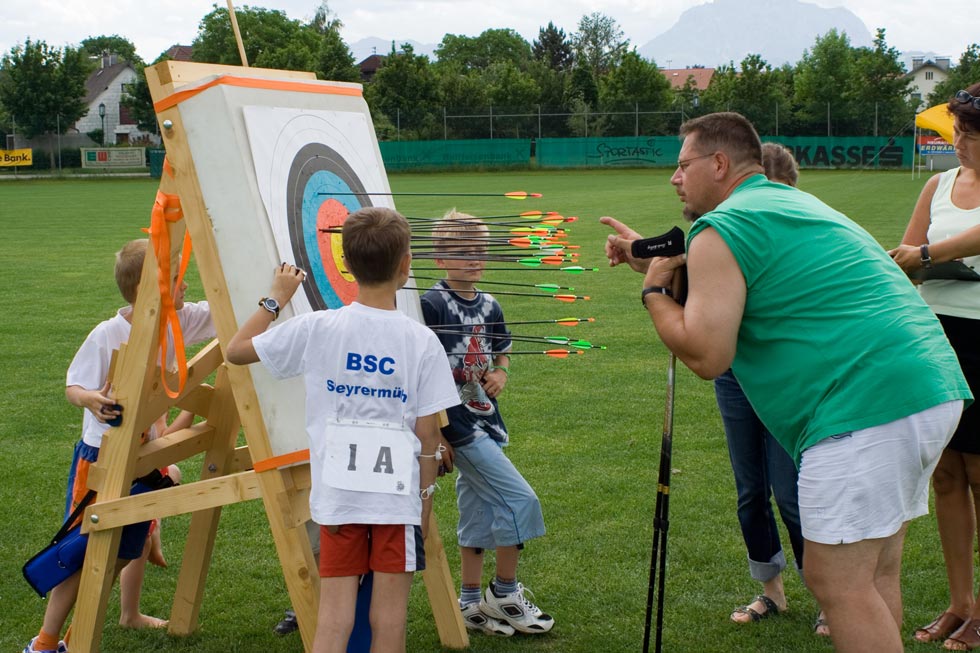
938, 119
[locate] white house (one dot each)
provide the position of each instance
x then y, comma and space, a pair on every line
926, 74
104, 90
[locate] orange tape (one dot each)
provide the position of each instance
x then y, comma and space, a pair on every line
254, 82
166, 208
275, 462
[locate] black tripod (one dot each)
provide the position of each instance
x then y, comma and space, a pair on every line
658, 557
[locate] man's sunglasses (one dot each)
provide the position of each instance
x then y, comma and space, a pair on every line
963, 98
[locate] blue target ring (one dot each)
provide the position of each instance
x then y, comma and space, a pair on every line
316, 175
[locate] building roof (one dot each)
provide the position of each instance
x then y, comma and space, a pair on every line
180, 52
678, 76
370, 66
99, 81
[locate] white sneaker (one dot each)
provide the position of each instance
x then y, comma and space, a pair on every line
30, 648
476, 620
516, 610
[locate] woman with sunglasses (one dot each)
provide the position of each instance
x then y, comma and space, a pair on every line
945, 226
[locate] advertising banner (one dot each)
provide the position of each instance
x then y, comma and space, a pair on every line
23, 157
113, 157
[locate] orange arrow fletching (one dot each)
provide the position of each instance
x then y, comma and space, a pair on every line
521, 195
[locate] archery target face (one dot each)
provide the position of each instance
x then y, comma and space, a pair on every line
310, 165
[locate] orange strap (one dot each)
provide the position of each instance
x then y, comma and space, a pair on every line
255, 82
166, 208
281, 461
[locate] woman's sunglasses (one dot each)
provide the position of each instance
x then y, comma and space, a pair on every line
963, 97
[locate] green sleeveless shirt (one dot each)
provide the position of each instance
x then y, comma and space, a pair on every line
834, 338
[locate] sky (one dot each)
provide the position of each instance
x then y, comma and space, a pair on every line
155, 26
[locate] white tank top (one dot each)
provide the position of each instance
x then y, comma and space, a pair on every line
948, 297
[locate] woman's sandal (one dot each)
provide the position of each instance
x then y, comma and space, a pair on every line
967, 635
820, 628
771, 609
941, 627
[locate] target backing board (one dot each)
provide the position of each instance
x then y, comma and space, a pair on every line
277, 162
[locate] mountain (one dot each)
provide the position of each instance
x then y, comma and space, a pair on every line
373, 45
726, 31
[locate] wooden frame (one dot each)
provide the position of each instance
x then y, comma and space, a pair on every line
227, 476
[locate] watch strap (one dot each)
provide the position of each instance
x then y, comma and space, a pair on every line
924, 254
656, 290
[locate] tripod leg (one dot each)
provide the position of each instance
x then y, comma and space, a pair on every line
658, 556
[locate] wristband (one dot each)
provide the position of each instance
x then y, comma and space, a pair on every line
506, 370
657, 290
437, 454
427, 492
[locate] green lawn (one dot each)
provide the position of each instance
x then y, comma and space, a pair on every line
586, 431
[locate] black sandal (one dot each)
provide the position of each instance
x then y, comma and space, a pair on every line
771, 609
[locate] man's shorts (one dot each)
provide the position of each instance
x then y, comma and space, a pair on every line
356, 549
865, 484
134, 535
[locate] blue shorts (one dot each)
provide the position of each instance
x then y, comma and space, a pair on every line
134, 535
497, 507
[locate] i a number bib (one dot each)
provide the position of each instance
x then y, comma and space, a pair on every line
369, 457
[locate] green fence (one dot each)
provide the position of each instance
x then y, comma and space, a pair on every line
662, 151
625, 151
850, 151
497, 152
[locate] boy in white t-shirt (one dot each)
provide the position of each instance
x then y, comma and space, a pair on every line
87, 387
375, 382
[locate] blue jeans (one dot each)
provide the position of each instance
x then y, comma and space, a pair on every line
762, 470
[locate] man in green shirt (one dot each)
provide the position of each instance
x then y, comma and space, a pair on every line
842, 361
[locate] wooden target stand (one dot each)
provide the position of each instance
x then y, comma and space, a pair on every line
227, 475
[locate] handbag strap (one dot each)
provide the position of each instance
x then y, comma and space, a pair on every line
87, 499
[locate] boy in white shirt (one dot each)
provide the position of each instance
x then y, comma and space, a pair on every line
375, 382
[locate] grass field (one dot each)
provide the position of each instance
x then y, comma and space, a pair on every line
586, 432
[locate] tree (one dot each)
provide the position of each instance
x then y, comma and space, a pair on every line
965, 74
553, 48
479, 52
43, 88
753, 92
96, 46
405, 91
139, 102
878, 90
633, 85
334, 60
599, 44
271, 40
822, 75
553, 97
514, 91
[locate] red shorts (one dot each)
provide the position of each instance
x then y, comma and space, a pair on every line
356, 549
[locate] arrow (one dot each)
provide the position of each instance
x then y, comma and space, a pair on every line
564, 321
547, 287
561, 298
514, 195
555, 340
572, 269
554, 353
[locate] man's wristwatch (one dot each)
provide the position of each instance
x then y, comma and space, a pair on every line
926, 259
657, 290
271, 305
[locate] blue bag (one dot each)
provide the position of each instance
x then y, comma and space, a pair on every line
66, 553
63, 557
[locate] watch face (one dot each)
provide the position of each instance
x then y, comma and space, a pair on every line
270, 305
